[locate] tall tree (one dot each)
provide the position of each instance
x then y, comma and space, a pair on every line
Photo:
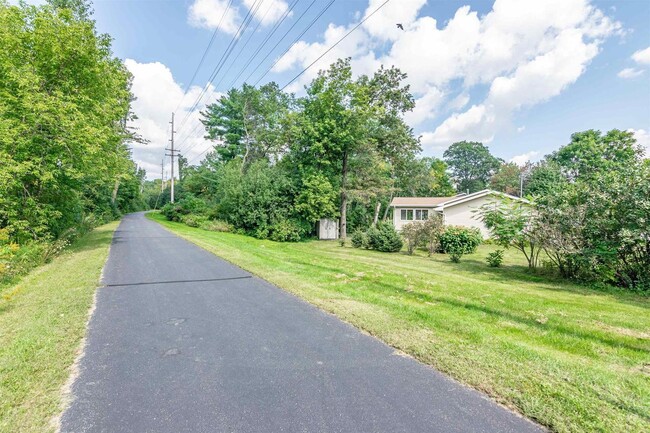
343, 118
590, 152
471, 164
249, 121
508, 179
63, 136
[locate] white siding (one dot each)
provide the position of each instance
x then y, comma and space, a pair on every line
465, 214
397, 218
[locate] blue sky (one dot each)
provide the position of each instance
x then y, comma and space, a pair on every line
520, 76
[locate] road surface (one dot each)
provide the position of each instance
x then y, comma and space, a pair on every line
182, 341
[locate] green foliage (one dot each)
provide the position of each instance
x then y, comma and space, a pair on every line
432, 228
216, 226
495, 259
287, 230
384, 238
413, 233
317, 198
507, 179
458, 241
545, 178
513, 224
359, 239
187, 205
249, 121
63, 112
591, 153
471, 164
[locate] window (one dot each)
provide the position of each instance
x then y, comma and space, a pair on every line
425, 214
406, 214
418, 214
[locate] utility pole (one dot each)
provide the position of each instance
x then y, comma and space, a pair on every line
172, 154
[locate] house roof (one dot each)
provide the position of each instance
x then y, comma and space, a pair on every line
419, 201
443, 202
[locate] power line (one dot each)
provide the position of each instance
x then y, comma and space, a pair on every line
205, 53
268, 38
289, 47
272, 32
337, 42
270, 51
231, 46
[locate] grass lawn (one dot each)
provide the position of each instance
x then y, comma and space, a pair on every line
574, 359
42, 321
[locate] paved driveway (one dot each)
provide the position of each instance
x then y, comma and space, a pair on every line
182, 341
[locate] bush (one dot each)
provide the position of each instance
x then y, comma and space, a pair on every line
193, 220
216, 226
384, 238
458, 241
431, 230
495, 258
359, 239
287, 231
414, 234
185, 206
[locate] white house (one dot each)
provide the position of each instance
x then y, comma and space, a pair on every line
459, 210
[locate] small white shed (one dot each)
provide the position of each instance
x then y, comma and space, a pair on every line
328, 229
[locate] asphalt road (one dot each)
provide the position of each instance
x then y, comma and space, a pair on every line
182, 341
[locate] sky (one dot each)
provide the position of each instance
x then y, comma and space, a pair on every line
518, 75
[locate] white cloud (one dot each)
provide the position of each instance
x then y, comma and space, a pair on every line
521, 128
629, 73
525, 52
642, 56
210, 14
383, 24
643, 138
426, 107
157, 96
522, 159
268, 11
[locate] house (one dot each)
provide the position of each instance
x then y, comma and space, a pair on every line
459, 210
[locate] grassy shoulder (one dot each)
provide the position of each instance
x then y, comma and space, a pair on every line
42, 321
573, 359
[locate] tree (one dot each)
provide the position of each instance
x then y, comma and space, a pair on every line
63, 121
507, 179
513, 224
471, 165
342, 118
590, 152
544, 179
249, 121
424, 177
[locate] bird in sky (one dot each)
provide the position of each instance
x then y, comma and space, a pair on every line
399, 26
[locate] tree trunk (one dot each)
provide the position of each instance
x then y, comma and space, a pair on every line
387, 207
343, 223
115, 189
377, 209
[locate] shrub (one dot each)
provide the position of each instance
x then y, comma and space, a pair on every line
384, 238
185, 206
193, 220
458, 241
495, 258
216, 226
431, 230
359, 239
414, 234
287, 230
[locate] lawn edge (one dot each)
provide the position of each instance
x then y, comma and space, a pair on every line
397, 351
65, 392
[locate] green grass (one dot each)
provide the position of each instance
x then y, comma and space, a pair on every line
42, 322
574, 359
